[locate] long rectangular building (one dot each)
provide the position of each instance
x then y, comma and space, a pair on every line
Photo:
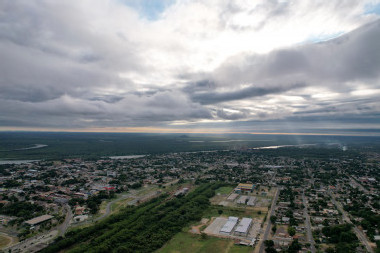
242, 200
243, 227
251, 201
229, 226
38, 220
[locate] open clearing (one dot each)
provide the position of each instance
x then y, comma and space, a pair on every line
190, 243
5, 241
224, 190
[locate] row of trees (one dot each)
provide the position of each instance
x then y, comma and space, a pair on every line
139, 229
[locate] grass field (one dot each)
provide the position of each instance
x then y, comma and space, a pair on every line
190, 243
224, 190
115, 207
4, 241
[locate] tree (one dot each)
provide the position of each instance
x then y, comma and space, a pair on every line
268, 243
291, 231
295, 246
274, 229
273, 219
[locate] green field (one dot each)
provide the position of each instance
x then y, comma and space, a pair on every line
184, 242
224, 190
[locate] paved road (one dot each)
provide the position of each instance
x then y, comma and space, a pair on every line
268, 226
357, 231
63, 227
360, 186
308, 226
33, 244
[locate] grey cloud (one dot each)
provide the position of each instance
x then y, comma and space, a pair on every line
352, 57
231, 116
250, 92
58, 72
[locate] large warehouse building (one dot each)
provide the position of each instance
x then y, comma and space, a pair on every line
244, 188
229, 226
243, 227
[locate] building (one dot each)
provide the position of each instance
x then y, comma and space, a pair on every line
38, 220
232, 197
229, 226
242, 200
181, 192
244, 188
243, 227
251, 201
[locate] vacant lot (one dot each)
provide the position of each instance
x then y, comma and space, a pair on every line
189, 243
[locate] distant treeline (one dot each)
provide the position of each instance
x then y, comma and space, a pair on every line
95, 145
144, 228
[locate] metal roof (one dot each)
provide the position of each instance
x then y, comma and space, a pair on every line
230, 224
244, 225
39, 219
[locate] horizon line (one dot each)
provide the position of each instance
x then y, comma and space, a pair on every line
180, 131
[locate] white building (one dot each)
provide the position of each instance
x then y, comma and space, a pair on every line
251, 201
229, 226
242, 199
243, 227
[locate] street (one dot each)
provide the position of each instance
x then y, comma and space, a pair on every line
308, 225
261, 245
346, 218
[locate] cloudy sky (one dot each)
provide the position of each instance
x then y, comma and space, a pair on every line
190, 66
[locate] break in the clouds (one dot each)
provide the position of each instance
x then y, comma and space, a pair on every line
213, 64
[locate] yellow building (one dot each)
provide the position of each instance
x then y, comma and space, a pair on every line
244, 188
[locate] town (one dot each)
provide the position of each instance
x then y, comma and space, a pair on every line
276, 200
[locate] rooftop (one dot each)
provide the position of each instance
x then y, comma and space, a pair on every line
38, 219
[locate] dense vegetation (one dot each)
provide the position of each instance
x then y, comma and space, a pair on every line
94, 201
342, 236
23, 210
140, 229
95, 145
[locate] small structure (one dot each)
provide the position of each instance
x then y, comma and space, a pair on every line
80, 218
243, 227
182, 191
229, 226
285, 220
38, 220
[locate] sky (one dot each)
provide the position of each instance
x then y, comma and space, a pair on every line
200, 66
